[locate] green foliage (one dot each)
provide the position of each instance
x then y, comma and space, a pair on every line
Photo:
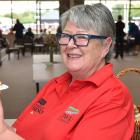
7, 15
26, 17
135, 10
117, 10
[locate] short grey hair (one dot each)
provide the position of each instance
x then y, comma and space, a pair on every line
97, 18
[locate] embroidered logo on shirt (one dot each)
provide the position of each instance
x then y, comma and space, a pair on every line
39, 106
69, 114
72, 110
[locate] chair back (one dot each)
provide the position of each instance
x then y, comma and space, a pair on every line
136, 135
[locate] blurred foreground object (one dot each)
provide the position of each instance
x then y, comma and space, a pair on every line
136, 135
3, 86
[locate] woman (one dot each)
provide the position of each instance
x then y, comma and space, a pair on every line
88, 102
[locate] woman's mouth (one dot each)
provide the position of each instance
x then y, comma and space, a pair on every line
74, 55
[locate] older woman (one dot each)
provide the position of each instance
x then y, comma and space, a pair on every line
87, 102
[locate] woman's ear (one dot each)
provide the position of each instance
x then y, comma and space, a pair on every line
106, 46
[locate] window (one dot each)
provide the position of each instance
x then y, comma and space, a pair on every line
35, 14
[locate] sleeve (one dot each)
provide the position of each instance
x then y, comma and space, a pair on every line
14, 28
107, 122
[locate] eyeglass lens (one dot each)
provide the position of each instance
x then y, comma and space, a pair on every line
79, 40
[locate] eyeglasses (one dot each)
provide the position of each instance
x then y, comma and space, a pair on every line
80, 40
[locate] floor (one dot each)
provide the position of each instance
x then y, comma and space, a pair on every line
17, 74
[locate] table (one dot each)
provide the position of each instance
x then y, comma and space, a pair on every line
39, 47
41, 58
43, 70
10, 121
20, 47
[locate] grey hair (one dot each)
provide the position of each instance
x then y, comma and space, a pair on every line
97, 18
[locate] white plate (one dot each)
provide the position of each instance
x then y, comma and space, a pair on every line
2, 87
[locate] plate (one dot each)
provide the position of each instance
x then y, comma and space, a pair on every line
3, 86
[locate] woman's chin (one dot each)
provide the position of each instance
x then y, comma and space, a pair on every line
73, 69
73, 66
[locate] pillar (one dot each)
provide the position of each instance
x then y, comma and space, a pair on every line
64, 5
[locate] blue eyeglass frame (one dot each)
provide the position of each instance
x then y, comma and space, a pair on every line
58, 35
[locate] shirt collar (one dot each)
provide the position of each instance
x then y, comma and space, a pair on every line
101, 75
97, 78
64, 77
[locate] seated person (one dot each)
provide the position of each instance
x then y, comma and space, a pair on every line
11, 38
88, 102
3, 40
29, 33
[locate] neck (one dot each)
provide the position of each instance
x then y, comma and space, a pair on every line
81, 75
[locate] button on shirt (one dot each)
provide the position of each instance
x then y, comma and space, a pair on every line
97, 108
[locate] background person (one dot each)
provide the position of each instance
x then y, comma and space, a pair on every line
29, 33
3, 40
88, 102
119, 46
11, 38
134, 33
18, 28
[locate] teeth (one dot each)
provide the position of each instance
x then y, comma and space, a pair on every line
74, 55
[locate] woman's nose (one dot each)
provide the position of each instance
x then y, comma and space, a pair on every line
71, 44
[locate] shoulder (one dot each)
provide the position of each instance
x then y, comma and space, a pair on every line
115, 94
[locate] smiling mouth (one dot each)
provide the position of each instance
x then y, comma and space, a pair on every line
73, 55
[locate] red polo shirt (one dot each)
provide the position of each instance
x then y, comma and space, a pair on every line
97, 108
